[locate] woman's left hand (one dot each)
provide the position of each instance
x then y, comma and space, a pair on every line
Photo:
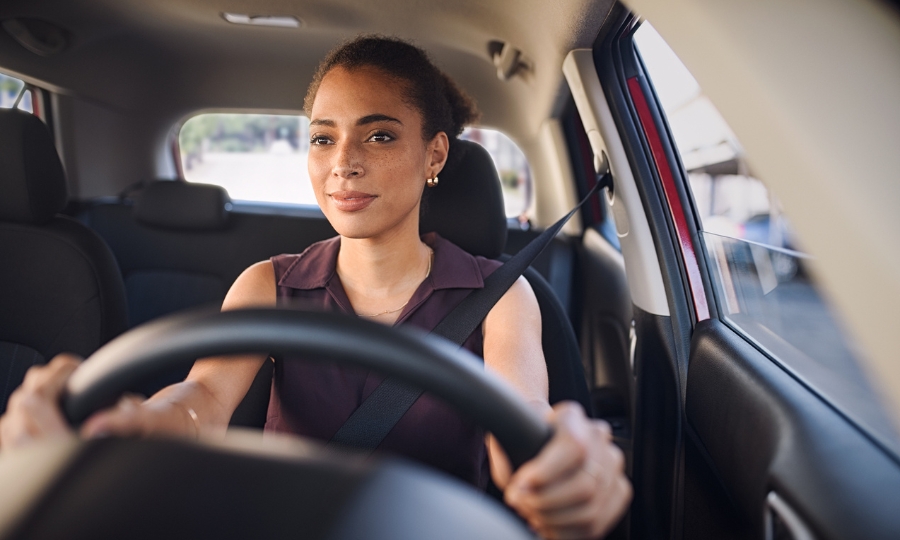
576, 487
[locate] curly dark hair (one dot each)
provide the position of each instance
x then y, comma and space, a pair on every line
442, 104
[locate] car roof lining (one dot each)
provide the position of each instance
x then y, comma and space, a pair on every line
171, 57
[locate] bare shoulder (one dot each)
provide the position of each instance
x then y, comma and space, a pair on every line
254, 287
513, 342
516, 311
519, 301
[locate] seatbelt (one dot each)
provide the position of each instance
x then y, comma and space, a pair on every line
371, 422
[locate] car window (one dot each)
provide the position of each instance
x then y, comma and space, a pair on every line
255, 157
10, 88
512, 167
262, 158
762, 279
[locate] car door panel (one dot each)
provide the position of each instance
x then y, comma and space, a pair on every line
759, 429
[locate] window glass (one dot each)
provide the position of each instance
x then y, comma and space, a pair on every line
10, 88
255, 157
512, 167
760, 274
262, 158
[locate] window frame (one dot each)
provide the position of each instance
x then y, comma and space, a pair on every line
304, 208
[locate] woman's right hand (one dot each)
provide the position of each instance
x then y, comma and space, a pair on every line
33, 412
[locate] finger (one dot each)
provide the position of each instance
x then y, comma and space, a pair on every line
612, 459
42, 417
576, 489
600, 481
602, 464
589, 500
13, 432
590, 520
21, 427
32, 409
49, 380
564, 454
575, 516
126, 419
559, 460
603, 428
31, 415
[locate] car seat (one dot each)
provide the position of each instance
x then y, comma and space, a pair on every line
60, 288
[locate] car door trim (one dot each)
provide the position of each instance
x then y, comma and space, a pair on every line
673, 200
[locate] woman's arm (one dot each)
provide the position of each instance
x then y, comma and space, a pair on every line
576, 486
212, 390
512, 349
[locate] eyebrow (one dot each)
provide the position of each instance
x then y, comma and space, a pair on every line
372, 118
368, 119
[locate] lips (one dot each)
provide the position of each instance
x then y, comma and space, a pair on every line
351, 201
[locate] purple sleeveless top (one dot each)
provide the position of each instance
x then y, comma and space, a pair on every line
314, 399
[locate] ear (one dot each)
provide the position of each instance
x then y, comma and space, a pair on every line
436, 154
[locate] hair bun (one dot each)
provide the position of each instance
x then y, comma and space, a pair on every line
463, 110
441, 102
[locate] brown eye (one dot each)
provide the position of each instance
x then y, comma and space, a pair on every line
381, 137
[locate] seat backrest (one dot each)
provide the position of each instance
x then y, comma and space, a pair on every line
557, 264
60, 288
180, 247
470, 212
466, 207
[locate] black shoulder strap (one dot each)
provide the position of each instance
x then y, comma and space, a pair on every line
379, 413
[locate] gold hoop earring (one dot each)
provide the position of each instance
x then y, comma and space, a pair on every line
432, 182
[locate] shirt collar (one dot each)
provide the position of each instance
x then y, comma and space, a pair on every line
452, 268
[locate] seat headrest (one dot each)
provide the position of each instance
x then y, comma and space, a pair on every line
466, 207
32, 181
183, 206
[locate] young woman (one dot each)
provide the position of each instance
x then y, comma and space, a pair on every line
383, 121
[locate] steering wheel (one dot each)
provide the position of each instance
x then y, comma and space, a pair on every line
129, 488
424, 361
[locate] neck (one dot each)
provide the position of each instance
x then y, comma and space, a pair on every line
379, 269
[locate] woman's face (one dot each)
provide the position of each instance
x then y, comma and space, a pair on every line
367, 160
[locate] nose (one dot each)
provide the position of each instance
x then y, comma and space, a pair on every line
347, 162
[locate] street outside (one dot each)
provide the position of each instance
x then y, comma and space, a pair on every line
278, 176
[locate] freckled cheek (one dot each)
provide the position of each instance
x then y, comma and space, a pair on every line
400, 172
399, 180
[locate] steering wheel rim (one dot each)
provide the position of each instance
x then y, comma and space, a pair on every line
451, 373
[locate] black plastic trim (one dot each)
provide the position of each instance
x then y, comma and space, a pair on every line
657, 429
762, 430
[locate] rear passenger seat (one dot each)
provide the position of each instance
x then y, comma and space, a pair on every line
182, 245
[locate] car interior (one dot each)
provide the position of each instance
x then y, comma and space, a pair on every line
652, 319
